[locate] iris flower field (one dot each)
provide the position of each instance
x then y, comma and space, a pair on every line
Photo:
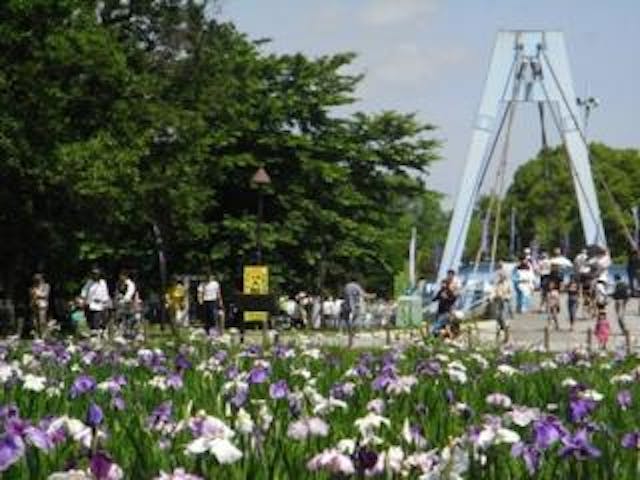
210, 408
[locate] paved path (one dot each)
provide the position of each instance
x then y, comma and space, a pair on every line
525, 330
528, 330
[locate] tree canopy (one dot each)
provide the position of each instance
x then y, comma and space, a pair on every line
543, 196
116, 117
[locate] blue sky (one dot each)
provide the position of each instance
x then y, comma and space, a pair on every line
431, 57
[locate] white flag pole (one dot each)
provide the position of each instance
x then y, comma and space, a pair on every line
412, 258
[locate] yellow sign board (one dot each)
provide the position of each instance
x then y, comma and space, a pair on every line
256, 316
256, 280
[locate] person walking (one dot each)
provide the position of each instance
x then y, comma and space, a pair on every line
210, 298
553, 303
39, 294
95, 295
620, 298
502, 292
126, 293
524, 279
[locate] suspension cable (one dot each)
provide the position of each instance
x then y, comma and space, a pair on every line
487, 159
617, 208
502, 175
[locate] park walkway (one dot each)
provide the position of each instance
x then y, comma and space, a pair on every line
529, 330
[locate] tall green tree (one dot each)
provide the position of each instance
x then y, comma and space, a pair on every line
116, 118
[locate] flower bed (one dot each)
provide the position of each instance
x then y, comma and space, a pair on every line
208, 409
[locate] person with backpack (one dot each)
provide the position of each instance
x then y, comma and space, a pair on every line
620, 298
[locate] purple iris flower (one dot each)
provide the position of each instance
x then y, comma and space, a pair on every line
365, 459
384, 378
231, 373
57, 436
529, 453
430, 368
117, 403
38, 438
11, 450
624, 399
580, 408
100, 466
160, 415
632, 440
240, 397
221, 355
578, 446
547, 431
182, 362
9, 411
450, 396
279, 390
258, 375
95, 416
81, 385
174, 381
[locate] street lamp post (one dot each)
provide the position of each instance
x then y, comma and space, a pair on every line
259, 180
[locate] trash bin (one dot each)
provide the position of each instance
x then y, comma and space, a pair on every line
409, 311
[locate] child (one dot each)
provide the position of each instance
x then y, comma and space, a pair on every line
77, 316
553, 302
602, 328
620, 297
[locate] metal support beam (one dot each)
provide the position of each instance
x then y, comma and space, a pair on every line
526, 66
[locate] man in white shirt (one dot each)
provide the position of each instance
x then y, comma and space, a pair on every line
210, 297
95, 295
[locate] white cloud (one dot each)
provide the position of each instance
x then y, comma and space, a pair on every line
410, 64
390, 12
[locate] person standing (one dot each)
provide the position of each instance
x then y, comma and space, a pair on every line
620, 298
210, 297
602, 328
95, 295
573, 294
544, 270
176, 303
446, 300
354, 296
39, 294
125, 300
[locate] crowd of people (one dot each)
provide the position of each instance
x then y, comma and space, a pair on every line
581, 285
584, 282
101, 305
98, 307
